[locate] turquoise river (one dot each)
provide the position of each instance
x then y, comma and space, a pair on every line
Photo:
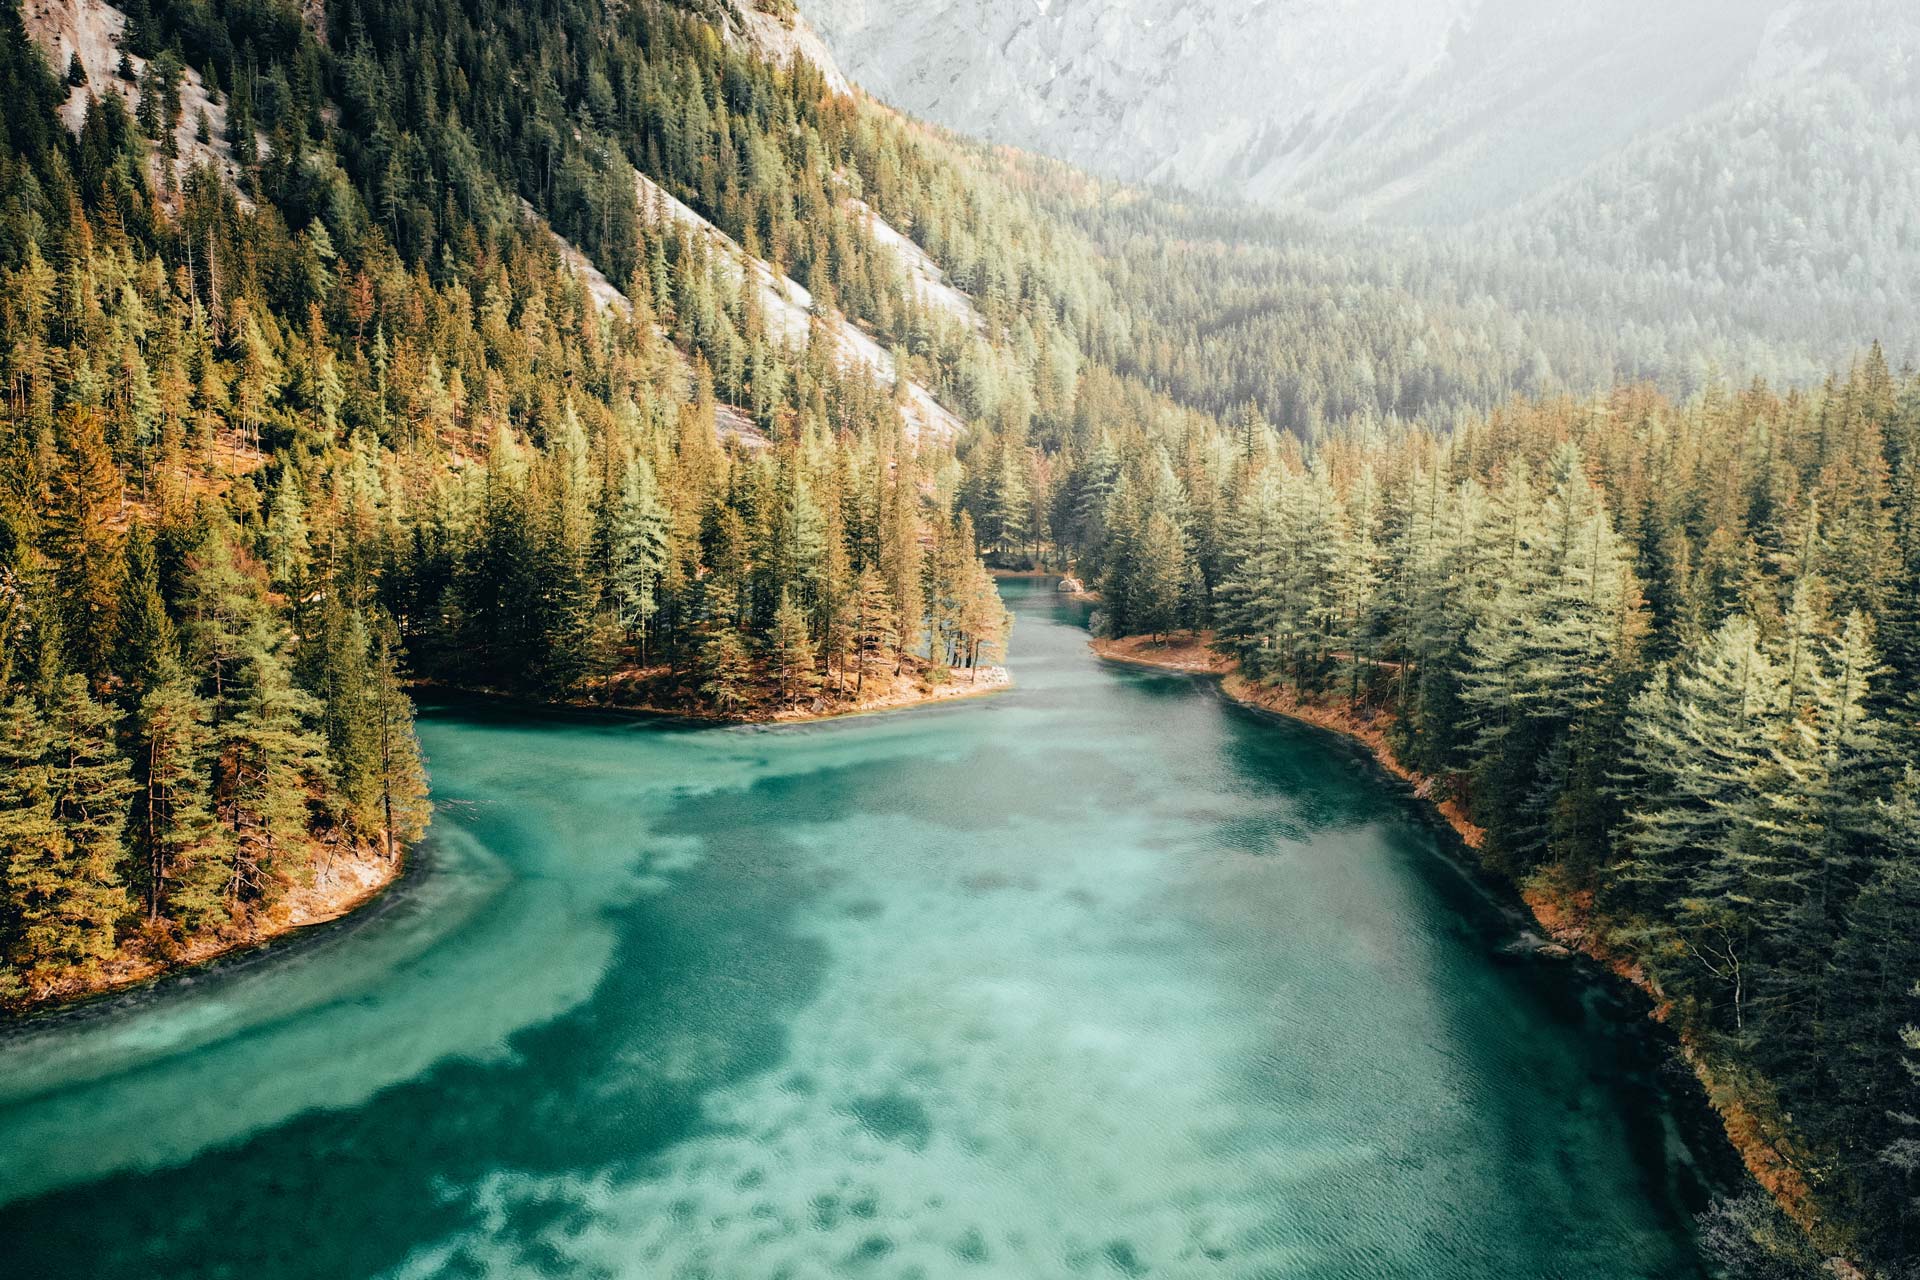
1102, 976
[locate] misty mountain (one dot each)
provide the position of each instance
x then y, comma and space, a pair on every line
1403, 111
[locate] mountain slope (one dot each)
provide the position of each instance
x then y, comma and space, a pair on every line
1406, 111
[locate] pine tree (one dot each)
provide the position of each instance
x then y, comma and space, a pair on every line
83, 542
1121, 555
726, 670
400, 770
267, 756
1872, 994
875, 629
345, 686
901, 561
64, 813
1161, 579
1702, 742
790, 652
269, 761
33, 845
182, 870
146, 643
983, 619
224, 608
1557, 635
639, 550
289, 551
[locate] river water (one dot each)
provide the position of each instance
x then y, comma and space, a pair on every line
1102, 976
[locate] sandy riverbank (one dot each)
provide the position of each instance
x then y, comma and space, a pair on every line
343, 880
653, 691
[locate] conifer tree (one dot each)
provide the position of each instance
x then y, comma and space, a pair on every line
983, 621
875, 629
400, 770
146, 643
345, 686
1871, 1046
269, 760
790, 652
1161, 578
70, 889
83, 542
33, 844
289, 551
726, 670
180, 867
639, 550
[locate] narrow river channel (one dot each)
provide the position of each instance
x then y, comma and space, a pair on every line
1101, 976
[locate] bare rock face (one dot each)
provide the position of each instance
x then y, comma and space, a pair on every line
1400, 111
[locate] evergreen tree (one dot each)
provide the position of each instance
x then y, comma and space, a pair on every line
176, 845
269, 760
790, 652
83, 542
62, 821
1161, 579
400, 774
345, 686
639, 550
34, 845
726, 670
875, 629
146, 645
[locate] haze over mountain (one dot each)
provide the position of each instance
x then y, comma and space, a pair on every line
1402, 111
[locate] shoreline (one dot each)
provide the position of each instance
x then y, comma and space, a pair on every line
344, 882
1563, 916
992, 680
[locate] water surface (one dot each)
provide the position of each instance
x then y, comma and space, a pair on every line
1103, 976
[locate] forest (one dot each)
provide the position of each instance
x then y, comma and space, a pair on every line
1666, 655
313, 400
278, 449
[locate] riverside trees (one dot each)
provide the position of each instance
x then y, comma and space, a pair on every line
1662, 652
274, 441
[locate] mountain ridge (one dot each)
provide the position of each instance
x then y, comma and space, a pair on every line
1392, 110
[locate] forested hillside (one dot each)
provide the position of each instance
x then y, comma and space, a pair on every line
1668, 658
614, 354
281, 438
1606, 192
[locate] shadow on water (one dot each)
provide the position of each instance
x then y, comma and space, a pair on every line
693, 1000
1627, 1076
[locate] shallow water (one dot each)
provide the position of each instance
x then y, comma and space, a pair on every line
1103, 976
